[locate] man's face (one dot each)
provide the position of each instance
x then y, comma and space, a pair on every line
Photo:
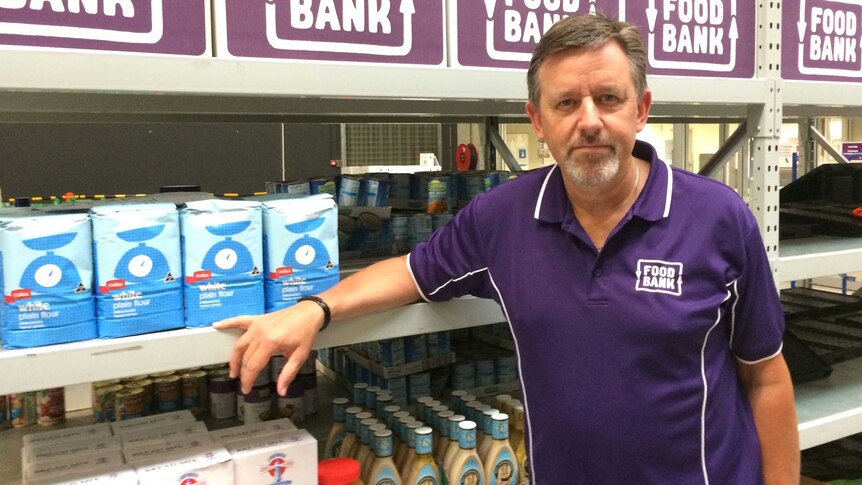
589, 112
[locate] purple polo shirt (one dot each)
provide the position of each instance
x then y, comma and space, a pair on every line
628, 357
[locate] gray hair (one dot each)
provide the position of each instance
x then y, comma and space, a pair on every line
589, 31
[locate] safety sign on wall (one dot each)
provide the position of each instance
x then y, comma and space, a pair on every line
821, 40
685, 37
149, 26
380, 31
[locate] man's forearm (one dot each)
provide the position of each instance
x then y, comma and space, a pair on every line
386, 284
770, 393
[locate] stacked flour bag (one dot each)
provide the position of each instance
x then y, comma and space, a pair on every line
138, 265
46, 278
222, 260
300, 241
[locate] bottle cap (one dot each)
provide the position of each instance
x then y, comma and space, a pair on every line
337, 471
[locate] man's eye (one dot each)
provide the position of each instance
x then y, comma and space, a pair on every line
609, 98
565, 103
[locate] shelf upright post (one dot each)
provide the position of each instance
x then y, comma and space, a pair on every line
764, 130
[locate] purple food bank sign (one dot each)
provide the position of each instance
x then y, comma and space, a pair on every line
148, 26
379, 31
684, 37
821, 40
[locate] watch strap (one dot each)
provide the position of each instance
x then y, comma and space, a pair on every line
327, 314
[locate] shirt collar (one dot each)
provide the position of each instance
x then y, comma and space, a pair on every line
653, 204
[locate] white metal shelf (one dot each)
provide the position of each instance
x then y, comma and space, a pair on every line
818, 256
84, 84
830, 409
94, 360
805, 99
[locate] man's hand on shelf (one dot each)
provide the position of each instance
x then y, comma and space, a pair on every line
289, 332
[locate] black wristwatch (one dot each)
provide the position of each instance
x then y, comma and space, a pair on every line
327, 314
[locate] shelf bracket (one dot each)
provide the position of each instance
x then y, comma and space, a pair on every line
727, 150
498, 144
824, 143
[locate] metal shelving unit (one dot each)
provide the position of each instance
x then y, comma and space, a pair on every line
82, 87
94, 360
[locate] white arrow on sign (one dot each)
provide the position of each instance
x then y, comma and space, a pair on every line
493, 53
733, 35
407, 9
153, 36
823, 71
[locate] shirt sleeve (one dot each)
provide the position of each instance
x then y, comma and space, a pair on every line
451, 263
758, 318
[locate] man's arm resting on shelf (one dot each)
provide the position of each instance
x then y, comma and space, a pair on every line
291, 331
770, 393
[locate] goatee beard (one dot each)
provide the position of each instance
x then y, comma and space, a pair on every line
592, 170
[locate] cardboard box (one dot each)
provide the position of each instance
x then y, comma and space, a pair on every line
52, 451
162, 433
210, 464
152, 451
256, 430
288, 458
98, 476
73, 465
67, 434
164, 419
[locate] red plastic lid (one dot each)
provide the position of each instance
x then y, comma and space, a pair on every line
337, 471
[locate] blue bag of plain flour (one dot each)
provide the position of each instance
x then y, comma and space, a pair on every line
300, 247
136, 249
222, 243
46, 278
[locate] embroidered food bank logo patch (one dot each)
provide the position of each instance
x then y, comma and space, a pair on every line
656, 276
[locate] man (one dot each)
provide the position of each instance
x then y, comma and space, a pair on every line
645, 317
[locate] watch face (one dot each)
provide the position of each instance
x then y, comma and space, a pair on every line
140, 265
226, 258
305, 254
48, 275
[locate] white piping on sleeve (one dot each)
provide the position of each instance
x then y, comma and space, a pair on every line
542, 192
410, 270
733, 310
669, 189
469, 273
769, 357
520, 373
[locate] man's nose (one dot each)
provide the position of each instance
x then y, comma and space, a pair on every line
590, 121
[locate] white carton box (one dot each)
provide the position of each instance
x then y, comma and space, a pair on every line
287, 458
209, 464
162, 433
98, 476
102, 429
147, 452
73, 465
52, 451
152, 421
242, 433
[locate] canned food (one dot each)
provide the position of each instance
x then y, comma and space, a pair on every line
373, 192
322, 185
128, 380
51, 406
263, 376
147, 395
156, 375
22, 409
484, 368
129, 403
213, 367
348, 191
257, 405
103, 402
291, 406
168, 394
195, 393
4, 412
106, 383
222, 391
